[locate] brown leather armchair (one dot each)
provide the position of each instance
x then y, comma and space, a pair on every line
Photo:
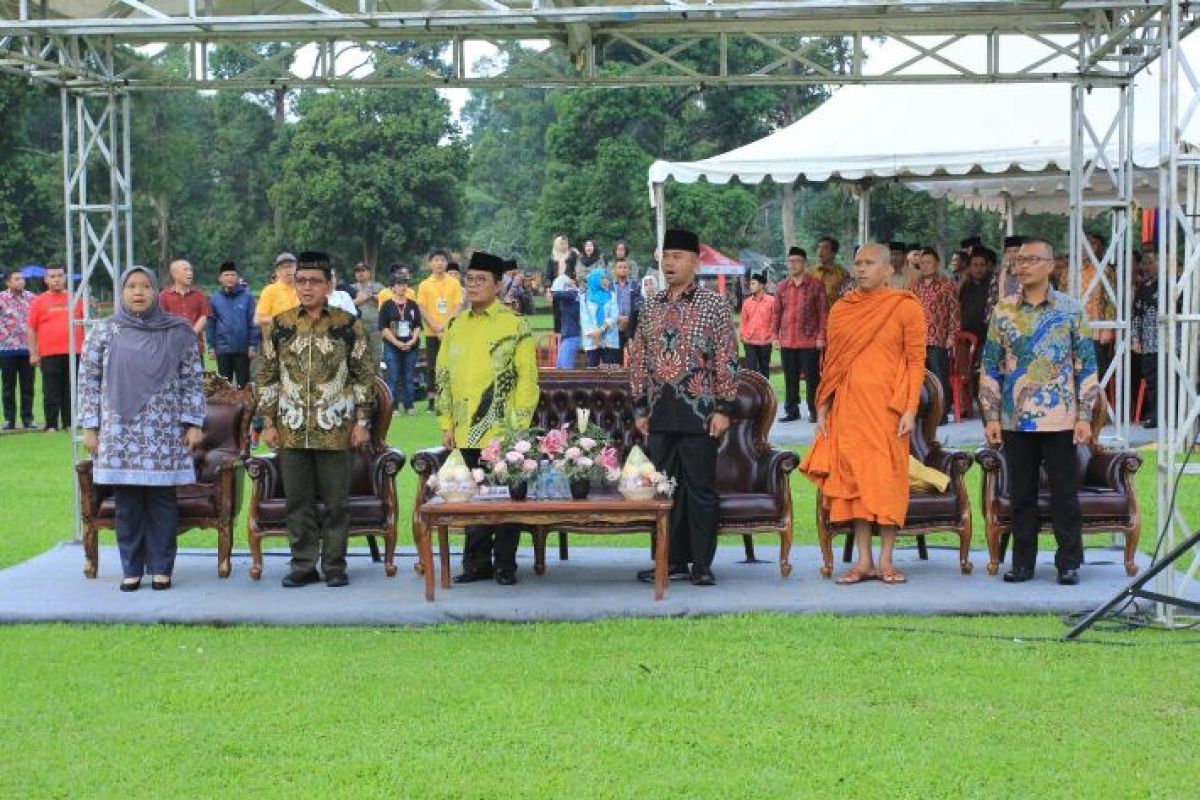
927, 513
372, 503
1107, 500
752, 478
213, 500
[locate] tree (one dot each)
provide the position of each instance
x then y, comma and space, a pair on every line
366, 171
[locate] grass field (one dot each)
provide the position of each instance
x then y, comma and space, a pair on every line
741, 706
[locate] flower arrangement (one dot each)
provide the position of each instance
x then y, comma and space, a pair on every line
581, 452
511, 458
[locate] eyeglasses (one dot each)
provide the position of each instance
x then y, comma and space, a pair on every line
1028, 261
476, 280
310, 281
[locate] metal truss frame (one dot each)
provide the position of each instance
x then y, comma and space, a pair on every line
1178, 313
587, 44
1095, 131
98, 205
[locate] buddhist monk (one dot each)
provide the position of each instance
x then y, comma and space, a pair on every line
866, 407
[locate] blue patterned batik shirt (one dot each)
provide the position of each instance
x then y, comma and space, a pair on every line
1039, 366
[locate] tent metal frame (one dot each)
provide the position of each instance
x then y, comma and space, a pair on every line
100, 55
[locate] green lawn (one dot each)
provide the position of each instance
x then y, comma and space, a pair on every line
742, 706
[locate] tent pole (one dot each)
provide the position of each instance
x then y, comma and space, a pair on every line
660, 228
789, 216
864, 213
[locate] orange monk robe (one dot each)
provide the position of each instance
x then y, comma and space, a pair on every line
873, 370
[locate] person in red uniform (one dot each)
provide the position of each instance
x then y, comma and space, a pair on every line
50, 346
183, 299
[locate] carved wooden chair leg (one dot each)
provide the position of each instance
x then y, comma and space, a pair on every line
374, 547
1131, 542
964, 553
90, 552
993, 546
224, 551
562, 546
785, 552
389, 551
256, 557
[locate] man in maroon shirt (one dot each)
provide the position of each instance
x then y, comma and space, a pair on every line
800, 314
184, 300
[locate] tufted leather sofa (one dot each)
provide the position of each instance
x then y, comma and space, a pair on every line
372, 502
1107, 501
927, 513
752, 478
213, 500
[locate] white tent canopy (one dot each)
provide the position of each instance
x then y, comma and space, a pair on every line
977, 144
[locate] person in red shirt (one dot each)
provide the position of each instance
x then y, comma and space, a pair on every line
801, 310
50, 346
943, 319
184, 300
758, 326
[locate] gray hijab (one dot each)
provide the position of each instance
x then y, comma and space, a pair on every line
145, 353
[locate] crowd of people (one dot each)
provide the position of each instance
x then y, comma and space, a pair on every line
861, 338
958, 302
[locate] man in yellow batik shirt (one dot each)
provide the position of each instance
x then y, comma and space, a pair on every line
439, 297
487, 383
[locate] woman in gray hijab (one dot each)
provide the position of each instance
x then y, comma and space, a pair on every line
141, 401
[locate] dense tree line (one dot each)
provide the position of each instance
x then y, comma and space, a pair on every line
382, 175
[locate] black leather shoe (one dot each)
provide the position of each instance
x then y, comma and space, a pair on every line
675, 572
1068, 577
472, 575
506, 577
1018, 575
789, 418
1150, 424
160, 586
703, 576
297, 579
131, 586
337, 580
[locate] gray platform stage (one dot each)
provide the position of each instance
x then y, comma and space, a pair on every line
596, 583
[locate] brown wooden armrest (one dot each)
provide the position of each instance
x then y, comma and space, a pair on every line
954, 463
990, 459
1112, 469
387, 465
426, 463
263, 470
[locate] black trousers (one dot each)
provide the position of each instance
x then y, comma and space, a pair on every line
1149, 362
432, 345
16, 370
691, 459
758, 358
1025, 453
1104, 357
308, 475
796, 360
234, 367
146, 522
56, 391
937, 361
489, 544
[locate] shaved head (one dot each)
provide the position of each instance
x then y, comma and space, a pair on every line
872, 266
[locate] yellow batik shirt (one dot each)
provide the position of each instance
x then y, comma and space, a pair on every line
315, 380
487, 375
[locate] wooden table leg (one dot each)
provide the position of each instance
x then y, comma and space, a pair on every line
425, 555
444, 553
662, 540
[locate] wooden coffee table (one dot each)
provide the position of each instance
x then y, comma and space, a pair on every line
601, 509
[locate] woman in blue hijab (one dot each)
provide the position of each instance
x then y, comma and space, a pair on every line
141, 403
598, 315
